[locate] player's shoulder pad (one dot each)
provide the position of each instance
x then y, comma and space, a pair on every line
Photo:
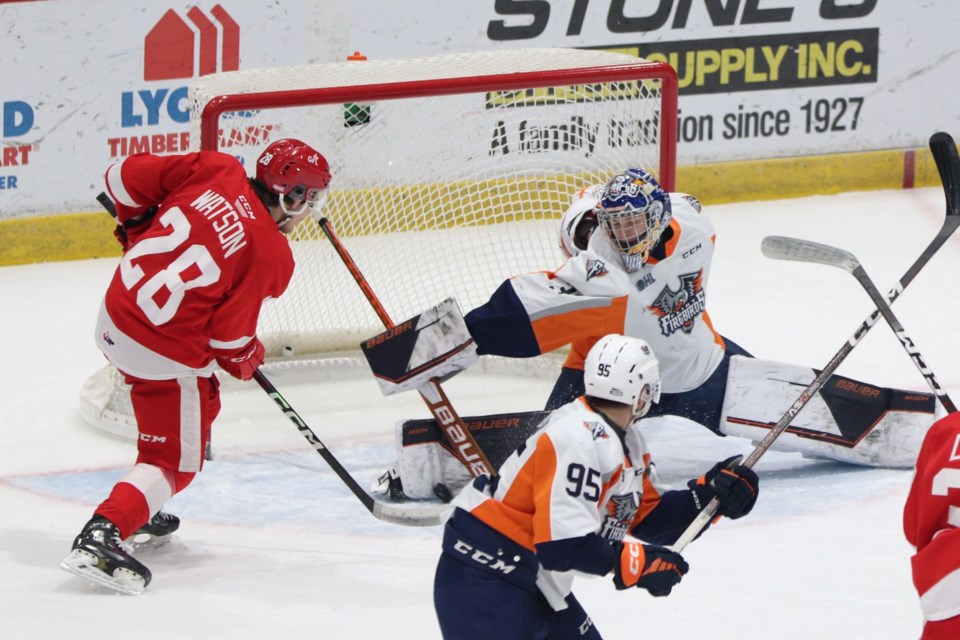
687, 198
577, 423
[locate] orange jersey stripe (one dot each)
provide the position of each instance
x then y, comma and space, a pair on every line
523, 514
556, 330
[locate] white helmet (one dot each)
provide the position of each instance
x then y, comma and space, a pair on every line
624, 370
579, 220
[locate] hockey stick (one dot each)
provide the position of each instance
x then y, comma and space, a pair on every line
107, 204
781, 248
393, 513
458, 436
948, 165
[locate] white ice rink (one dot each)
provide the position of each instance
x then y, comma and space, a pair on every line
272, 545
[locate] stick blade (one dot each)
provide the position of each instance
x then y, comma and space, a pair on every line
430, 515
945, 155
783, 248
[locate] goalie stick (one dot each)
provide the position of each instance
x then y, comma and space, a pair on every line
781, 248
945, 155
393, 513
458, 436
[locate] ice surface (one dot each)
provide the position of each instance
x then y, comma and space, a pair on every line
272, 545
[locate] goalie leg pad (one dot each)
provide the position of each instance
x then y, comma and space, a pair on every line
424, 461
847, 420
434, 344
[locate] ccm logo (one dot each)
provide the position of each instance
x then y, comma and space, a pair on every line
482, 557
634, 563
146, 437
690, 252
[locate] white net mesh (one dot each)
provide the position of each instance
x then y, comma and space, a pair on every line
434, 195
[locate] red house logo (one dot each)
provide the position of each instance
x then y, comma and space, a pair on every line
173, 47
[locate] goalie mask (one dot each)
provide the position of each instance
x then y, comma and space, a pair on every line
634, 210
293, 169
624, 370
579, 220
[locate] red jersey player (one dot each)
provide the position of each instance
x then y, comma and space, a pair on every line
202, 251
931, 522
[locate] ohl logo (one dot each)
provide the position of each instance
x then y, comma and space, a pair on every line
173, 49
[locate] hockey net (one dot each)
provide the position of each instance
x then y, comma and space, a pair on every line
450, 174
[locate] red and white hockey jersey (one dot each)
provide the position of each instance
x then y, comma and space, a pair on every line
575, 485
931, 522
190, 286
591, 295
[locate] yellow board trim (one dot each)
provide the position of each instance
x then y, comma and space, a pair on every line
72, 236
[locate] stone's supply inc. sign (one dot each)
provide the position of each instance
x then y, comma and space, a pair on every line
763, 63
758, 78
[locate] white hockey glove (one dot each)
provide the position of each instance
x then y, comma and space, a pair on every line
434, 344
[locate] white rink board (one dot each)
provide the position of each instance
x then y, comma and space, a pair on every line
76, 96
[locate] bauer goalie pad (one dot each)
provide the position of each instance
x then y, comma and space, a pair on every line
434, 344
847, 420
424, 460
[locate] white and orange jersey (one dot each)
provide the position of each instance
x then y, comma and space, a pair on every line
193, 282
591, 295
931, 520
572, 478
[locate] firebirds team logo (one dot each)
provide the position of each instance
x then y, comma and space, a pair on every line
621, 511
678, 309
596, 429
623, 508
596, 269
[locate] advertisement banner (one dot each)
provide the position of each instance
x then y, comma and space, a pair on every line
758, 78
88, 82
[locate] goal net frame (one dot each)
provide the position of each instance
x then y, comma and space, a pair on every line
361, 94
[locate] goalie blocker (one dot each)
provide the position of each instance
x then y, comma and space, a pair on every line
434, 344
847, 420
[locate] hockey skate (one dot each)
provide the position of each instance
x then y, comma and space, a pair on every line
155, 533
99, 555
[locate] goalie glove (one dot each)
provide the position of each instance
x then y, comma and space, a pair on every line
647, 566
735, 486
434, 344
243, 362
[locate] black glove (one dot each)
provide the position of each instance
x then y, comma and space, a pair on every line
647, 566
734, 485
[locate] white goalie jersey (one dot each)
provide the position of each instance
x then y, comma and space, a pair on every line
591, 295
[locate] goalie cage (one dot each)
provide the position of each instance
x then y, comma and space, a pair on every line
450, 174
